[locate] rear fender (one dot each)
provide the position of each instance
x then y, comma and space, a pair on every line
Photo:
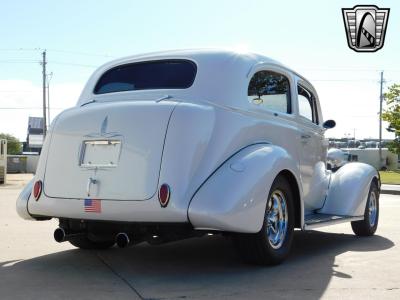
348, 190
22, 201
234, 197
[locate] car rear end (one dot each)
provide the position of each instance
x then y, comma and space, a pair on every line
101, 162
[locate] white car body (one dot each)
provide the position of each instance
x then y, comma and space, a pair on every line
218, 152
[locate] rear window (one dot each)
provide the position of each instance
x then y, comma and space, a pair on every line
161, 74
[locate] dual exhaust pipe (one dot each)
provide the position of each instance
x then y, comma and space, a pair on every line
122, 239
61, 236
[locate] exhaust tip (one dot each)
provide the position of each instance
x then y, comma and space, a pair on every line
59, 235
122, 240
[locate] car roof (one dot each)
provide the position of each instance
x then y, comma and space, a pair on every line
228, 67
202, 54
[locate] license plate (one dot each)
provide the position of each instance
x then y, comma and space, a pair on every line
104, 153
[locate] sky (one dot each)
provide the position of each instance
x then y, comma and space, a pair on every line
79, 36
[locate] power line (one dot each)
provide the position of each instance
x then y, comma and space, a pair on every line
17, 91
346, 80
18, 61
349, 69
16, 108
81, 53
72, 64
57, 51
20, 49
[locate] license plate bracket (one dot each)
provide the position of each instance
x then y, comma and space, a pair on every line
100, 153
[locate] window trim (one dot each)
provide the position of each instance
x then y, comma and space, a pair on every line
313, 103
146, 62
289, 109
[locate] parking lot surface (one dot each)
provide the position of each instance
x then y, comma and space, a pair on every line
329, 264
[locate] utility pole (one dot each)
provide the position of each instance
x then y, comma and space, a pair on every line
48, 97
44, 93
380, 122
48, 101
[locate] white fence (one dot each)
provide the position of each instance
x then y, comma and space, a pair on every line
22, 163
3, 161
371, 156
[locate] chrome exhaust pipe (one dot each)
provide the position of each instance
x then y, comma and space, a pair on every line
122, 240
61, 236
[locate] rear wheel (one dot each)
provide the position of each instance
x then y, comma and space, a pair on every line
86, 243
368, 226
271, 245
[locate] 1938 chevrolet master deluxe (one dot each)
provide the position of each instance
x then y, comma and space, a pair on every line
176, 144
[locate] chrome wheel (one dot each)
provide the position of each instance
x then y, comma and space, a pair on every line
368, 226
277, 219
372, 209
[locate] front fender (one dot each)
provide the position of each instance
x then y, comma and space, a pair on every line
348, 190
234, 197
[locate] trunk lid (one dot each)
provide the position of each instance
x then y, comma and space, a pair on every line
107, 151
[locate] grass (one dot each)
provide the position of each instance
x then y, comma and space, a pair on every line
390, 177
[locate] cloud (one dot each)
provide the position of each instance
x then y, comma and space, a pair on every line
352, 105
20, 99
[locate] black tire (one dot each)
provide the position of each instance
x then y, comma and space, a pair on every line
86, 243
256, 248
364, 227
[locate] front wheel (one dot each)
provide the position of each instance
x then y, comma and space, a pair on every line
271, 245
368, 226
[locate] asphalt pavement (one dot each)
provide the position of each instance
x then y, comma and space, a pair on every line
331, 264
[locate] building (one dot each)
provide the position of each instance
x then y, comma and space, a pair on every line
353, 143
367, 151
34, 139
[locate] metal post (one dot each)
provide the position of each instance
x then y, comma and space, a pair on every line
44, 94
48, 97
48, 102
380, 123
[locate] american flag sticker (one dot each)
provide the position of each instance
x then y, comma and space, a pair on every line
92, 205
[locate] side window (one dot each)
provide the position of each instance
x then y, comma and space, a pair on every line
307, 104
270, 90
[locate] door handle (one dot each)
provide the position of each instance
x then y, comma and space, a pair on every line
305, 136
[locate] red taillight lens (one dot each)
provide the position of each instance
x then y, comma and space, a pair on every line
163, 194
37, 189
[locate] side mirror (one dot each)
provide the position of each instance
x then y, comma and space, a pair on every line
329, 124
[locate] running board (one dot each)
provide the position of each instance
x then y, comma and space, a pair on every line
319, 220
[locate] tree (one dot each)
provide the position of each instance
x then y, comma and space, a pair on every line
13, 144
392, 115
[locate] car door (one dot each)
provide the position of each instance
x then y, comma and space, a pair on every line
311, 148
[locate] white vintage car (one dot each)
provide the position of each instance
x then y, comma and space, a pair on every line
171, 145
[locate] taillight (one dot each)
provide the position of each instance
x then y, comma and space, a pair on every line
163, 194
37, 189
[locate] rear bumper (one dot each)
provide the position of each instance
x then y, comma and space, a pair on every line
111, 210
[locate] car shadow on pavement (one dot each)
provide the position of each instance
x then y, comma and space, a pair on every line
196, 268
